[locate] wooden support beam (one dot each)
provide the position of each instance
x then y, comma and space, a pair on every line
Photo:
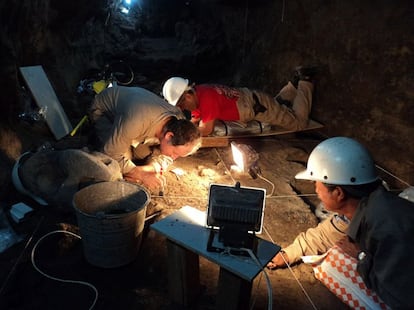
233, 292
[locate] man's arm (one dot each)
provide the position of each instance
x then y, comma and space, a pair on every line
206, 128
314, 241
145, 175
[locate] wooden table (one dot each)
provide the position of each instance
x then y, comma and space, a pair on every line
187, 237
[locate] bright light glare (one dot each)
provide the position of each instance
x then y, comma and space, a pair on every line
124, 10
237, 156
128, 1
194, 216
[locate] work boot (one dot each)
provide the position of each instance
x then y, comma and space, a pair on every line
304, 74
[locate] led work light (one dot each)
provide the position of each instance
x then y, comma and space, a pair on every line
246, 158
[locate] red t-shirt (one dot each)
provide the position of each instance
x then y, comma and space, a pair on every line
216, 102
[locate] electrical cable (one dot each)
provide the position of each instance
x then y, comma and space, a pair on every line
228, 251
21, 255
268, 283
253, 302
225, 166
291, 271
58, 279
268, 181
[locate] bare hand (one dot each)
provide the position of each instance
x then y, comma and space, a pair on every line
145, 175
278, 261
206, 128
195, 120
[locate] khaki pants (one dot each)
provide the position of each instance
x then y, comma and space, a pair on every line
276, 114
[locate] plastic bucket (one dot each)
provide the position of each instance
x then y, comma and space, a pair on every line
111, 218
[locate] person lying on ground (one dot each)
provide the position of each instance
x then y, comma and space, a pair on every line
128, 121
207, 103
380, 228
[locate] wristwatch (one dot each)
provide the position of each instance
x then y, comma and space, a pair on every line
361, 255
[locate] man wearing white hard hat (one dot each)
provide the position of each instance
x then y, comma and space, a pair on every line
210, 102
381, 224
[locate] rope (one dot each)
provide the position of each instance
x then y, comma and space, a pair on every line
205, 198
393, 175
291, 271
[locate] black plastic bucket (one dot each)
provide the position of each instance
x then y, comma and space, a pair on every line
111, 218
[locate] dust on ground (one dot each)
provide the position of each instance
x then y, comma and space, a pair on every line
143, 283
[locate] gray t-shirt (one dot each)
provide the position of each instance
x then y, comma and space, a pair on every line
129, 116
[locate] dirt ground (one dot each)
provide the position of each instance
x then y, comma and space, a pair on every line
142, 284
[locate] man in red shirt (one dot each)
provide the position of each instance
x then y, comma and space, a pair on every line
208, 102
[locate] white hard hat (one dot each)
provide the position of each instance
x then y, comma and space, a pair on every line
173, 89
340, 161
18, 183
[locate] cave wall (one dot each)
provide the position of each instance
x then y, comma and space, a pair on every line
364, 50
365, 53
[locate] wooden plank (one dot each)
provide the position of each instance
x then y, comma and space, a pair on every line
233, 293
45, 97
183, 275
215, 141
223, 141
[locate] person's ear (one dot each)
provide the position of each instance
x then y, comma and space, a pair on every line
340, 194
168, 136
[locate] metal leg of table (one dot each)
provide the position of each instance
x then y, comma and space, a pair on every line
233, 292
183, 274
